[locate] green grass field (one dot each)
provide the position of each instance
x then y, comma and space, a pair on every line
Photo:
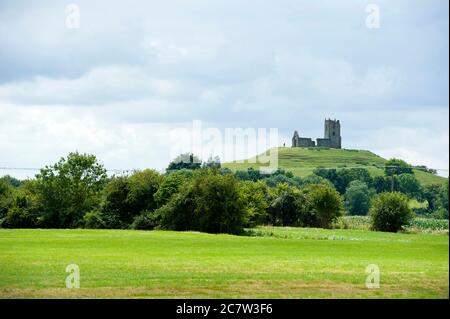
301, 161
278, 263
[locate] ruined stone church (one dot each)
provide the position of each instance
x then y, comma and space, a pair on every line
331, 138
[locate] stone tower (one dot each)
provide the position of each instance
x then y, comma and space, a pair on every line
333, 132
331, 138
295, 139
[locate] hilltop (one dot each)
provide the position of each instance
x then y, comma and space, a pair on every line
301, 161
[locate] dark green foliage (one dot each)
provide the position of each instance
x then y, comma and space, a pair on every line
178, 212
6, 197
145, 221
381, 184
409, 185
14, 182
26, 208
313, 179
341, 178
171, 185
69, 189
143, 185
436, 196
256, 196
185, 161
213, 163
210, 203
277, 179
357, 198
286, 207
126, 197
390, 212
95, 220
325, 203
396, 166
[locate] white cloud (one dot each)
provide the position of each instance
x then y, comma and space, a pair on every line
133, 71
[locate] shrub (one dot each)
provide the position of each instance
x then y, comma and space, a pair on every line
357, 198
170, 186
6, 197
286, 207
145, 221
69, 189
93, 220
143, 185
178, 212
256, 196
396, 166
210, 203
325, 203
115, 212
26, 208
126, 197
390, 212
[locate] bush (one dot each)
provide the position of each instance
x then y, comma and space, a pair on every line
325, 203
390, 212
178, 212
287, 207
396, 166
126, 197
69, 189
357, 198
256, 196
145, 221
170, 186
143, 186
210, 203
115, 212
26, 208
6, 197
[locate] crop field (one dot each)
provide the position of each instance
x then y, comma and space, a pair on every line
270, 262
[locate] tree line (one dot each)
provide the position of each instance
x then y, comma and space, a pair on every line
76, 192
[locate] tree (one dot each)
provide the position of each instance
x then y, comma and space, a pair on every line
390, 212
341, 178
115, 211
14, 182
185, 161
143, 186
325, 202
436, 196
6, 197
285, 208
256, 197
357, 198
212, 163
26, 208
69, 189
219, 204
171, 185
396, 166
127, 197
210, 202
409, 185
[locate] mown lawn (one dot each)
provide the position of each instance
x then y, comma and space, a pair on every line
287, 263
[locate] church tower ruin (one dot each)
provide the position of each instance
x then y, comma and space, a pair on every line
331, 137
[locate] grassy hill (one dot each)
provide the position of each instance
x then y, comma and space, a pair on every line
312, 263
301, 162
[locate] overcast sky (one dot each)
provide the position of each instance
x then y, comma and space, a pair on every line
132, 72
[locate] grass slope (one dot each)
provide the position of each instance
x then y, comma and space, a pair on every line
301, 161
308, 263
